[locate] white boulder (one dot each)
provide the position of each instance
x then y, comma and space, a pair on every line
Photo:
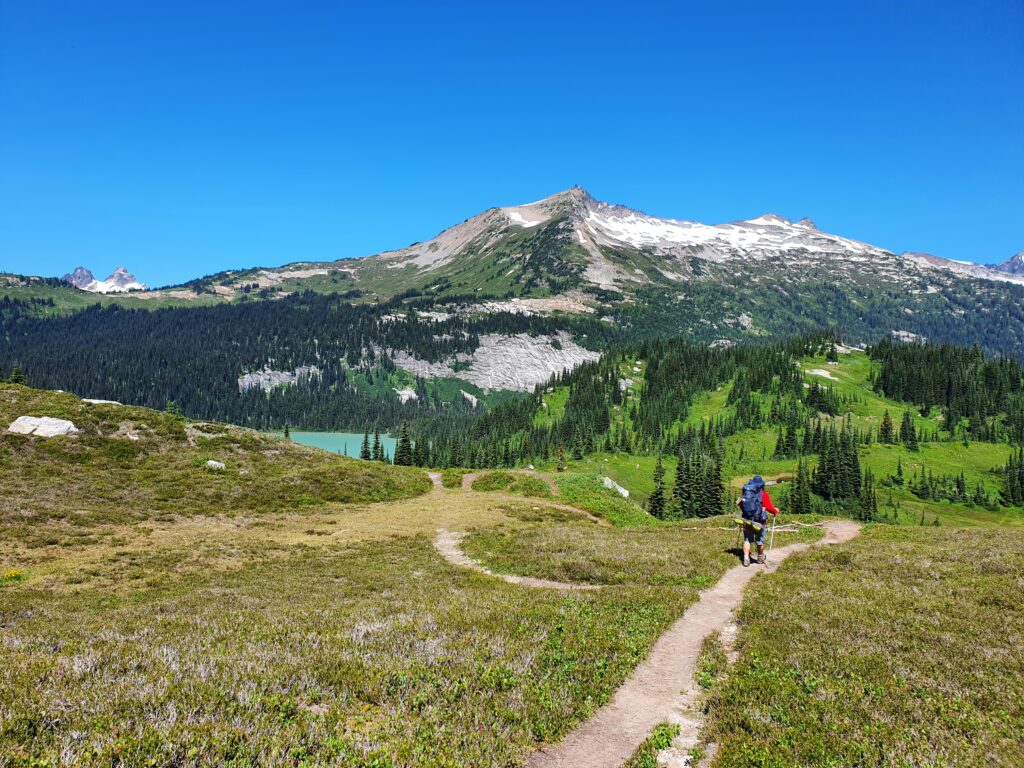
612, 485
99, 402
218, 465
42, 426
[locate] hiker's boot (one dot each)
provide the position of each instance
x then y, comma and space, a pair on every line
746, 561
760, 559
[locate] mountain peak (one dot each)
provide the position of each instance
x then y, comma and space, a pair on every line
119, 281
79, 278
1013, 265
769, 218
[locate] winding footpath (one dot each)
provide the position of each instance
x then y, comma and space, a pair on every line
662, 688
449, 545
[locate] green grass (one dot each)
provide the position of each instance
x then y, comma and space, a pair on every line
512, 482
646, 755
553, 408
712, 663
664, 555
452, 478
584, 490
102, 475
899, 648
372, 656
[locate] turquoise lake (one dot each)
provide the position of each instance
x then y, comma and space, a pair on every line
344, 443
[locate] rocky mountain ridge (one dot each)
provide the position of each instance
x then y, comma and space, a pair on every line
119, 281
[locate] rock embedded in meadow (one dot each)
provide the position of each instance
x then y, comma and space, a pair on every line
42, 426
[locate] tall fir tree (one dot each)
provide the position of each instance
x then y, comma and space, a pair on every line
656, 502
403, 450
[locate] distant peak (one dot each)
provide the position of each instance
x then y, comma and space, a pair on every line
1013, 265
79, 278
769, 218
806, 223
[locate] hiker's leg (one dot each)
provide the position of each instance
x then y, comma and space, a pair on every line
760, 544
748, 536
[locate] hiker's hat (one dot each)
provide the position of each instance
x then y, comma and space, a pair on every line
758, 480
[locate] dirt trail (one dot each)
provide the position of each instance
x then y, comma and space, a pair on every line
662, 688
449, 545
435, 478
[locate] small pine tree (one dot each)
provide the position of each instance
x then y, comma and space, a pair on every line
886, 432
656, 503
364, 451
560, 463
908, 432
16, 377
403, 451
287, 433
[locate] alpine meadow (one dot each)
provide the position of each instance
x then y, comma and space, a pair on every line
568, 484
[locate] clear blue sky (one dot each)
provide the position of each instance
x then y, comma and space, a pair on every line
185, 138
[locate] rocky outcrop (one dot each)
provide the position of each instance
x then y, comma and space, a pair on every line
517, 363
405, 395
611, 485
267, 378
42, 426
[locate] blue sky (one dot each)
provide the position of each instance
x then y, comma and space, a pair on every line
185, 138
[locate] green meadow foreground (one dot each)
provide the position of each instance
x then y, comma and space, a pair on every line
291, 609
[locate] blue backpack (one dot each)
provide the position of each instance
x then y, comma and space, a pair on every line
751, 503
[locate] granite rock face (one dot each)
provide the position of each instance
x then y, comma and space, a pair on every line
517, 363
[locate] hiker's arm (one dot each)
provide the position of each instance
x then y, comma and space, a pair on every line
766, 500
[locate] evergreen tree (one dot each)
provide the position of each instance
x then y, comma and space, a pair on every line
886, 433
403, 451
16, 377
656, 502
287, 433
560, 463
800, 493
908, 432
364, 451
378, 447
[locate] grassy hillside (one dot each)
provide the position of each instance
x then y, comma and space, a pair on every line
899, 648
751, 451
129, 464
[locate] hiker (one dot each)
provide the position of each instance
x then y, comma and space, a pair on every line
754, 506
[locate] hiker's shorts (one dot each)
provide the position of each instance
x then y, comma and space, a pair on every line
755, 536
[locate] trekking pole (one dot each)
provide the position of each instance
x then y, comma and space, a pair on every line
771, 538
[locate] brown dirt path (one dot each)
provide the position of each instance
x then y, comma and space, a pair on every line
662, 688
449, 545
435, 478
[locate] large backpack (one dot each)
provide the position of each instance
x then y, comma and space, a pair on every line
751, 503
